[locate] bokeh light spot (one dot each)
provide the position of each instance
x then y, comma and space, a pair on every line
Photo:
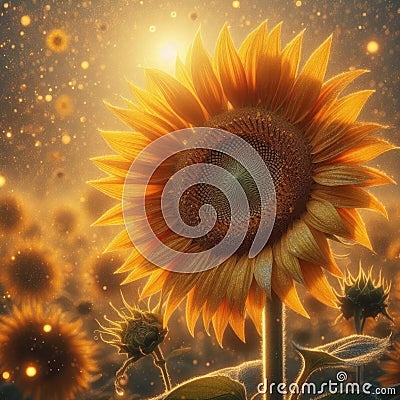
25, 20
5, 375
65, 138
47, 328
373, 46
31, 371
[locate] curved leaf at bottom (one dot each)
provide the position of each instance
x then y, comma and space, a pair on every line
209, 388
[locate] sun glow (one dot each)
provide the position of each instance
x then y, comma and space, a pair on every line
168, 51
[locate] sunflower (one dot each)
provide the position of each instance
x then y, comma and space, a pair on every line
43, 355
391, 367
309, 139
30, 274
11, 214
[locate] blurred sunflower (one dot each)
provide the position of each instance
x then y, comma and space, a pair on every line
11, 214
43, 355
57, 40
308, 137
391, 367
30, 274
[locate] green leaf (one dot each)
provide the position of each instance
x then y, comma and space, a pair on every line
209, 388
351, 351
177, 353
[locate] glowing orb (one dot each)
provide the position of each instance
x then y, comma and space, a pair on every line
372, 46
5, 375
25, 20
30, 371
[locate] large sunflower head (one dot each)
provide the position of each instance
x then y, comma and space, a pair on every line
308, 136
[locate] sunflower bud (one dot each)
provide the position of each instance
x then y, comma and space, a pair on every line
363, 297
137, 334
142, 333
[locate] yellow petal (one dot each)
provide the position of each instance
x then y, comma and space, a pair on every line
306, 89
330, 90
155, 283
344, 137
241, 276
283, 286
367, 150
178, 96
317, 284
323, 216
269, 68
121, 241
174, 299
192, 311
230, 70
147, 124
135, 261
347, 109
263, 269
217, 287
113, 216
289, 66
255, 305
183, 75
205, 81
249, 52
140, 270
211, 287
111, 186
311, 245
348, 197
355, 225
236, 321
128, 144
286, 260
220, 321
337, 175
112, 165
154, 104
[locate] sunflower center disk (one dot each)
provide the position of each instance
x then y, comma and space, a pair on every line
287, 157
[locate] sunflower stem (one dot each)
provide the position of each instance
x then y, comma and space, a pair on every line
359, 322
274, 351
161, 364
